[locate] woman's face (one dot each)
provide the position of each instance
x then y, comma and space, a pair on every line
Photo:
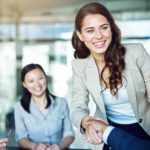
35, 82
95, 33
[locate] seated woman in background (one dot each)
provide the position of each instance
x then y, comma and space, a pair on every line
41, 119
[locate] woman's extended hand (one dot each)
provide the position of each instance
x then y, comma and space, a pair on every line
94, 130
91, 134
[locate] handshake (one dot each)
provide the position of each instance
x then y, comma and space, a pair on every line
94, 129
98, 131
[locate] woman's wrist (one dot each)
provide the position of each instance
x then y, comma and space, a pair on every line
84, 120
33, 146
61, 146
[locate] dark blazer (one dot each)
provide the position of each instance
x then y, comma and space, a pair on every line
121, 140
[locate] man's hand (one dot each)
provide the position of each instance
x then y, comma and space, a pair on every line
3, 142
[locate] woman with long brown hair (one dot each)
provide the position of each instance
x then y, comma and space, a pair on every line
116, 76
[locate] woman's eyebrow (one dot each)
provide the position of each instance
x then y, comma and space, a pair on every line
106, 24
88, 28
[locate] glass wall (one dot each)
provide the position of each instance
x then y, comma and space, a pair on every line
7, 79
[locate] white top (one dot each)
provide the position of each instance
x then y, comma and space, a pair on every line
118, 108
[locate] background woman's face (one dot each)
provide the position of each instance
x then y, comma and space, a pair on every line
95, 33
35, 82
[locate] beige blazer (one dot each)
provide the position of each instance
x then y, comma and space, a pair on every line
137, 83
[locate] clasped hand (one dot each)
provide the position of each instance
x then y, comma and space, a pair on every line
94, 130
41, 146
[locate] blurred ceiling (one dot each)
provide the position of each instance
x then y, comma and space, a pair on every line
29, 11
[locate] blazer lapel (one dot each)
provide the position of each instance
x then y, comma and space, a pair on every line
129, 85
93, 83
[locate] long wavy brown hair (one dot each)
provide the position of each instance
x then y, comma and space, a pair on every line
115, 53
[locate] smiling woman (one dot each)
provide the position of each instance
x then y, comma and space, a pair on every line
111, 73
41, 119
96, 34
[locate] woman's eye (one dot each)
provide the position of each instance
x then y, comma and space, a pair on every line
41, 78
31, 81
104, 28
89, 31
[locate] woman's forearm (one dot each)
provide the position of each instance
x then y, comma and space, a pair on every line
66, 142
25, 143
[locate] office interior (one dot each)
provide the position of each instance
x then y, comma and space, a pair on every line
39, 31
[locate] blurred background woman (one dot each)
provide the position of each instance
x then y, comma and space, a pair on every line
41, 119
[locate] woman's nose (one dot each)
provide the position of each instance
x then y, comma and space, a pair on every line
99, 34
37, 83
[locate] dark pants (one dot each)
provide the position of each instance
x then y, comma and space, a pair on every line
134, 129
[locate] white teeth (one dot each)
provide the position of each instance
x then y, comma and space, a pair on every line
102, 42
37, 90
99, 44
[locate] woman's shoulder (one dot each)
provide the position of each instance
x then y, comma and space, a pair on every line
133, 45
134, 49
81, 64
60, 104
59, 100
18, 106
